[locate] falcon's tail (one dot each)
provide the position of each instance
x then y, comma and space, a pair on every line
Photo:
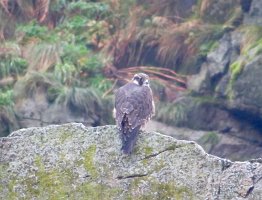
129, 139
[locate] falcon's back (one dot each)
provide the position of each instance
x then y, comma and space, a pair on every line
134, 101
134, 107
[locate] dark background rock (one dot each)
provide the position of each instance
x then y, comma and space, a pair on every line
225, 106
254, 12
247, 90
225, 143
34, 108
219, 59
38, 111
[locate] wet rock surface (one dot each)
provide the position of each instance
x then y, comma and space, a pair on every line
74, 162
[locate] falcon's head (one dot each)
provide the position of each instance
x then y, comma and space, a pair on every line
141, 79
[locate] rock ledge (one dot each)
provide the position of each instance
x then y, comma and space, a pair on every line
75, 162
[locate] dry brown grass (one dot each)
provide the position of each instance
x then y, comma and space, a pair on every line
170, 46
154, 37
29, 9
160, 34
251, 34
181, 42
205, 4
177, 42
214, 11
41, 56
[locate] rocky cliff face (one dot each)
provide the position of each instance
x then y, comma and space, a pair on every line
226, 93
74, 162
221, 145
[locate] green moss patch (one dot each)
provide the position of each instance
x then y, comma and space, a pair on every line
52, 183
236, 69
170, 190
158, 190
97, 191
65, 135
209, 140
89, 161
58, 184
148, 150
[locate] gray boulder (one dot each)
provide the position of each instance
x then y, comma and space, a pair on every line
254, 15
74, 162
219, 59
215, 67
247, 90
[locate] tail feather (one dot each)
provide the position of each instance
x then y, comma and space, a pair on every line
129, 140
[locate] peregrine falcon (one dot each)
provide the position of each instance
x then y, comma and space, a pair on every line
134, 106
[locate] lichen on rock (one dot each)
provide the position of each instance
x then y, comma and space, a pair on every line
75, 162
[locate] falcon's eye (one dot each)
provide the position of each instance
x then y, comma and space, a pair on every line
146, 83
137, 78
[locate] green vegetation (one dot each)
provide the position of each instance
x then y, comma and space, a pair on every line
88, 161
12, 66
258, 47
54, 46
236, 68
159, 190
54, 184
148, 151
172, 113
64, 136
77, 51
220, 13
51, 183
57, 184
252, 38
170, 190
6, 97
12, 194
98, 191
209, 140
251, 46
8, 119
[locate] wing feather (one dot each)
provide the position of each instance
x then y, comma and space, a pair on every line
136, 103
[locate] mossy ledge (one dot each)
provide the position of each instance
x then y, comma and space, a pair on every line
72, 161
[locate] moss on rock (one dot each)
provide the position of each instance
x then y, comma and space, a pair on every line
94, 167
89, 161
